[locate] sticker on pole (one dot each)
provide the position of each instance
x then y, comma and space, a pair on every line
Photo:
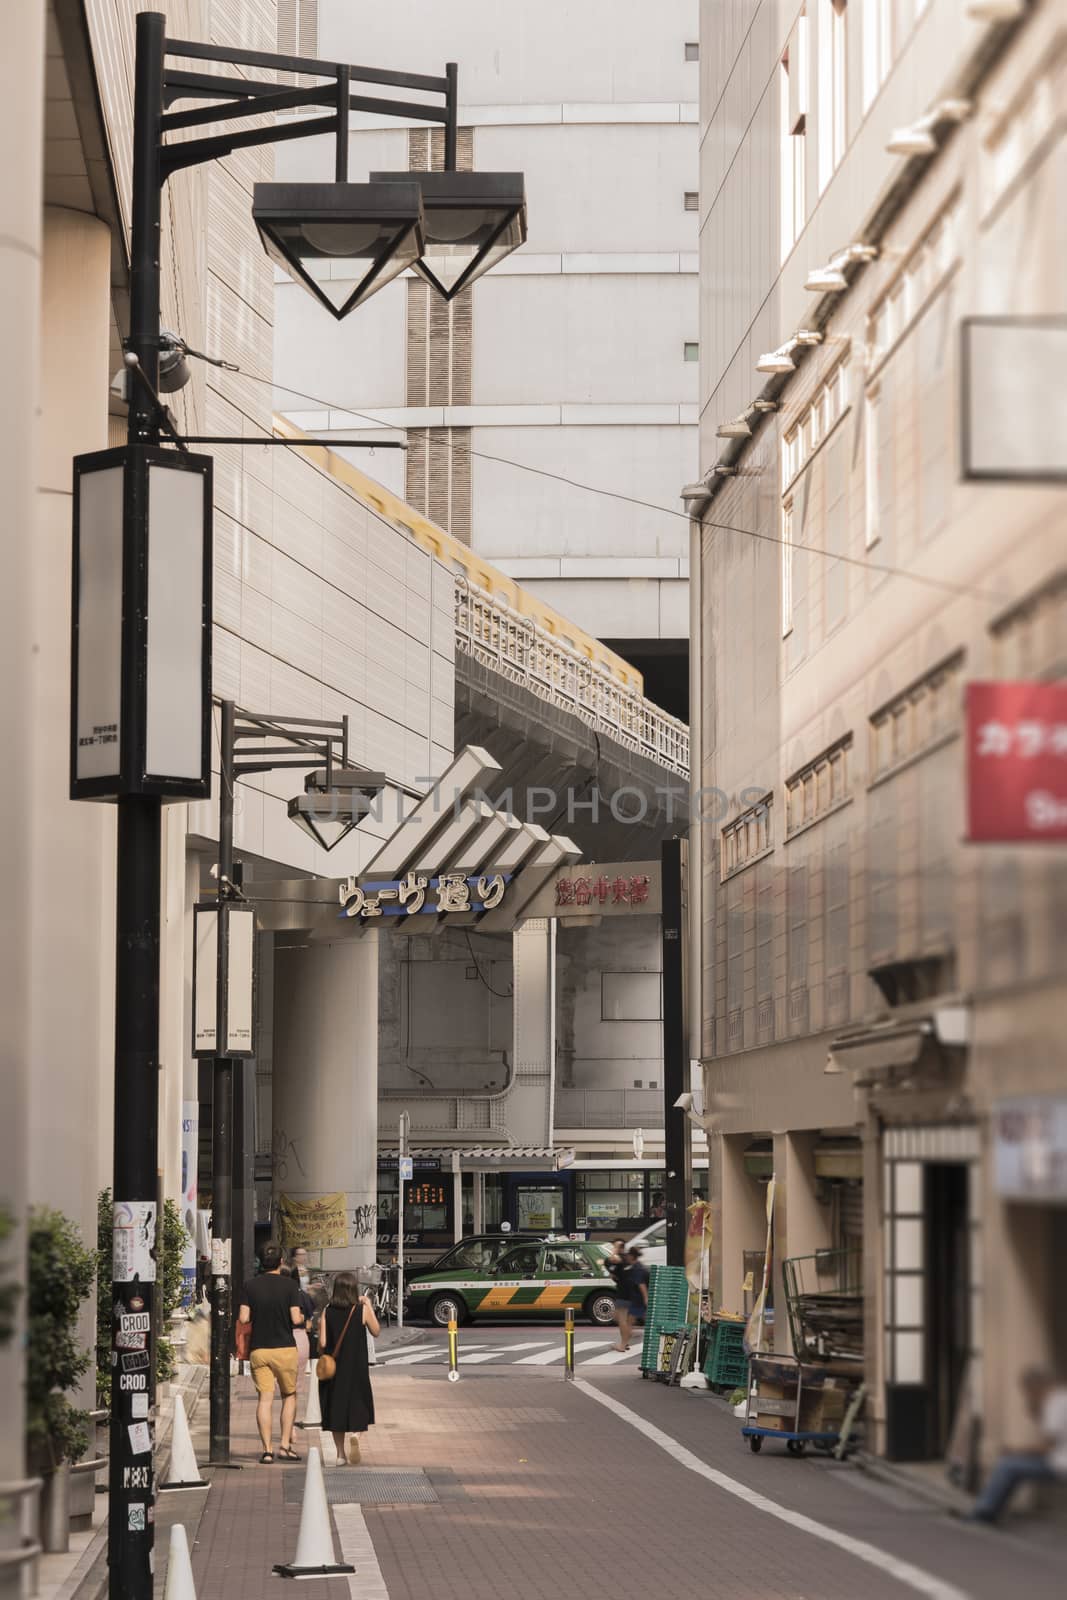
220, 1258
134, 1241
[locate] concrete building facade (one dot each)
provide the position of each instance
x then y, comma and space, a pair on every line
577, 359
877, 994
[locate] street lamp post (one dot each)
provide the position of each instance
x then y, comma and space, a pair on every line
340, 796
129, 695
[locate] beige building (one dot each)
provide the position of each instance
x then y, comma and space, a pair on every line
876, 993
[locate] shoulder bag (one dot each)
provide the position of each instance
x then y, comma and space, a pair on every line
326, 1367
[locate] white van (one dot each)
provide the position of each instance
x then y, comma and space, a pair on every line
652, 1243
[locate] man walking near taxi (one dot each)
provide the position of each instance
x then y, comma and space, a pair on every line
271, 1303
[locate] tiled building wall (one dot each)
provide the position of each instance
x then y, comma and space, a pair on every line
878, 496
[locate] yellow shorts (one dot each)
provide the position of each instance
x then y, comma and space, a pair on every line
268, 1365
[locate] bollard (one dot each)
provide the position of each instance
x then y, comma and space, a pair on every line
453, 1354
568, 1342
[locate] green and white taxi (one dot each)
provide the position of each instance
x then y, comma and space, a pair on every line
536, 1277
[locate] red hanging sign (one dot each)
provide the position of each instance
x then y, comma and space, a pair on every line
1017, 762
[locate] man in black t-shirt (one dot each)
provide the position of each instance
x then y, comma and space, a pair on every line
271, 1303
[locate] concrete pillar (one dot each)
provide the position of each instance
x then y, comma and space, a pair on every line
71, 845
742, 1219
479, 1201
325, 1087
21, 135
529, 1109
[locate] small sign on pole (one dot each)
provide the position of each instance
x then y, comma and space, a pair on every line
407, 1169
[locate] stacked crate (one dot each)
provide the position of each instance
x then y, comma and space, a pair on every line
668, 1302
726, 1365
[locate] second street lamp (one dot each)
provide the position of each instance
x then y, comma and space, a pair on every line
334, 803
472, 220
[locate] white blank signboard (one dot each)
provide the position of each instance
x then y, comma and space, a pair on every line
175, 709
99, 711
1014, 402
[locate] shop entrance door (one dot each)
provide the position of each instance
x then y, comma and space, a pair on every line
948, 1300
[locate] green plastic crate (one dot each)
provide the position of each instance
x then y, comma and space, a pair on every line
726, 1364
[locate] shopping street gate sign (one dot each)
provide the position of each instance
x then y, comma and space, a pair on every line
418, 894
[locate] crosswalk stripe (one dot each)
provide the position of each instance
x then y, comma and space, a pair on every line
487, 1355
546, 1357
409, 1358
611, 1358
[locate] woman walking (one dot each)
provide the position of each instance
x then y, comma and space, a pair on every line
346, 1399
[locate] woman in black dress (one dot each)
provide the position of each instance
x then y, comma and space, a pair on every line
346, 1399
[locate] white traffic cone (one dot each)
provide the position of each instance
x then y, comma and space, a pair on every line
184, 1472
180, 1584
312, 1409
314, 1544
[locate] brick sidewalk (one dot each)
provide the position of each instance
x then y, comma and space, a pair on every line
541, 1490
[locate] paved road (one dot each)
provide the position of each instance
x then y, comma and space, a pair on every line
533, 1488
517, 1344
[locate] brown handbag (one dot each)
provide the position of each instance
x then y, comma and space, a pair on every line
326, 1366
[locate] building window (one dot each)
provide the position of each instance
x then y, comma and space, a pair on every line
821, 786
793, 106
797, 908
692, 51
925, 269
918, 718
877, 47
787, 568
692, 200
836, 894
833, 76
746, 838
1031, 639
871, 429
691, 350
816, 421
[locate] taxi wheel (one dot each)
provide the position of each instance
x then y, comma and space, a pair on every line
600, 1309
446, 1308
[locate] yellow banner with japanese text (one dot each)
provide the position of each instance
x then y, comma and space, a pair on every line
318, 1224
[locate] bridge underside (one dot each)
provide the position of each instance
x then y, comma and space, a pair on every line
565, 774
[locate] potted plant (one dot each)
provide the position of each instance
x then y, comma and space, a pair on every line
61, 1272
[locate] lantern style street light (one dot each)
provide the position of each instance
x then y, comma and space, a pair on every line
472, 221
143, 525
334, 803
343, 241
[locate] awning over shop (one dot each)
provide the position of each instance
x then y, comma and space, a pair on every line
503, 1158
878, 1055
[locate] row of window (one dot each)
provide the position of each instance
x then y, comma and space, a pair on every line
884, 26
904, 727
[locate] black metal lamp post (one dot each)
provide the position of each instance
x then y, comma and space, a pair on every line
223, 986
136, 737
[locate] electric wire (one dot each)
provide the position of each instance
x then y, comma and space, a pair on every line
943, 584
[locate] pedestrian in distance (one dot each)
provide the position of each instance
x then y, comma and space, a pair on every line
637, 1282
271, 1303
302, 1334
1046, 1403
345, 1397
619, 1267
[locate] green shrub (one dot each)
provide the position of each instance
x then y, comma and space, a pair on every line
170, 1252
60, 1276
